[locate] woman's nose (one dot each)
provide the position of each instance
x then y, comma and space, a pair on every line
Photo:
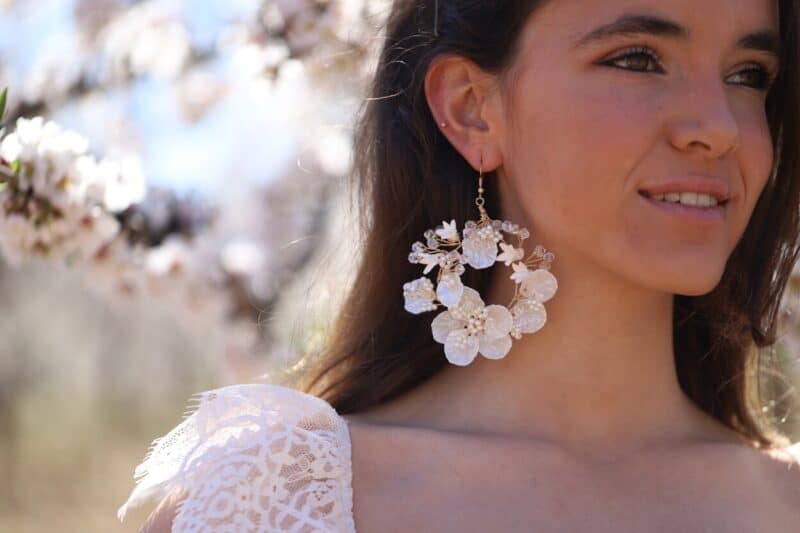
703, 119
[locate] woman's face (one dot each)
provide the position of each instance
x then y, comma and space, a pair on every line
590, 126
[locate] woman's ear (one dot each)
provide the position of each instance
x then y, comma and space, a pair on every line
465, 98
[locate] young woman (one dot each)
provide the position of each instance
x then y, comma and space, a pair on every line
649, 149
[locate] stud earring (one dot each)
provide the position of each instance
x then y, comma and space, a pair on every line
468, 326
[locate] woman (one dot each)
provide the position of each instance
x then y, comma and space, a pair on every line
649, 146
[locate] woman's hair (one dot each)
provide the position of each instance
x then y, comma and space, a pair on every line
408, 178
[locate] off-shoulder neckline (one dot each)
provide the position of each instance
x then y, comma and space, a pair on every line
346, 435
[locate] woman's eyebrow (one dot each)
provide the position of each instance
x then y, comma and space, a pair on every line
634, 24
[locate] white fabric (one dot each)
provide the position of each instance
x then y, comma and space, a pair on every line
253, 458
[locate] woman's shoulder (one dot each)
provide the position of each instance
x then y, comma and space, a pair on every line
781, 479
242, 445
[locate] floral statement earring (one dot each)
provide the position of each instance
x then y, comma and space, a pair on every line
468, 326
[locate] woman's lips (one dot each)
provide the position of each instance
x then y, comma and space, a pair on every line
689, 213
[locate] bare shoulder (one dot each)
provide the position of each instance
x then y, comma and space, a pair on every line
393, 469
777, 483
784, 468
161, 519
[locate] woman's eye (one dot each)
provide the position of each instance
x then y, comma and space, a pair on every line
639, 59
762, 78
636, 56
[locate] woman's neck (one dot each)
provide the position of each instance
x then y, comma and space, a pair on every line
598, 380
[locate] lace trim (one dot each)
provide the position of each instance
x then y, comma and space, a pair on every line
253, 457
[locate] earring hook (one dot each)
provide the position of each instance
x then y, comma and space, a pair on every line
479, 201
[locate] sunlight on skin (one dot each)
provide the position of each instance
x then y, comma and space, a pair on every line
574, 135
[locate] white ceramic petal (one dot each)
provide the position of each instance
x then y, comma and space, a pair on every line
419, 295
470, 302
480, 252
443, 324
498, 321
540, 285
448, 231
510, 254
461, 348
417, 306
495, 348
529, 315
450, 289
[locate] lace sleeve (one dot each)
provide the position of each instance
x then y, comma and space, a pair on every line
253, 457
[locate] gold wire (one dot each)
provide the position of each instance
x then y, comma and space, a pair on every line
479, 201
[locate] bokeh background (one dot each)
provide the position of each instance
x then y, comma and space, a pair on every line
233, 120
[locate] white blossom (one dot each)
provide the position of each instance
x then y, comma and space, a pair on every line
430, 261
149, 38
419, 295
173, 256
450, 289
520, 272
122, 182
510, 254
449, 231
480, 246
471, 327
539, 285
529, 317
59, 191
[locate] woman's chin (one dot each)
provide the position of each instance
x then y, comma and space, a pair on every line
693, 273
694, 292
697, 287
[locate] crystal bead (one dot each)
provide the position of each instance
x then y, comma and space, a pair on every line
524, 233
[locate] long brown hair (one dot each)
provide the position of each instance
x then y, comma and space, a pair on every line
409, 178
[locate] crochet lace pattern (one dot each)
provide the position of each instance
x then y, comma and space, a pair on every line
253, 458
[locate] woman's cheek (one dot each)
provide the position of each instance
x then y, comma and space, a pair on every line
616, 130
579, 154
754, 158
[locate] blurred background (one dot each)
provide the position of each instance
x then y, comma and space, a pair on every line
229, 242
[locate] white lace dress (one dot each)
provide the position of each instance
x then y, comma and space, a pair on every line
253, 458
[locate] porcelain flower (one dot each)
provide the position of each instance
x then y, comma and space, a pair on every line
480, 245
448, 231
470, 327
450, 289
419, 295
529, 317
536, 287
510, 254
